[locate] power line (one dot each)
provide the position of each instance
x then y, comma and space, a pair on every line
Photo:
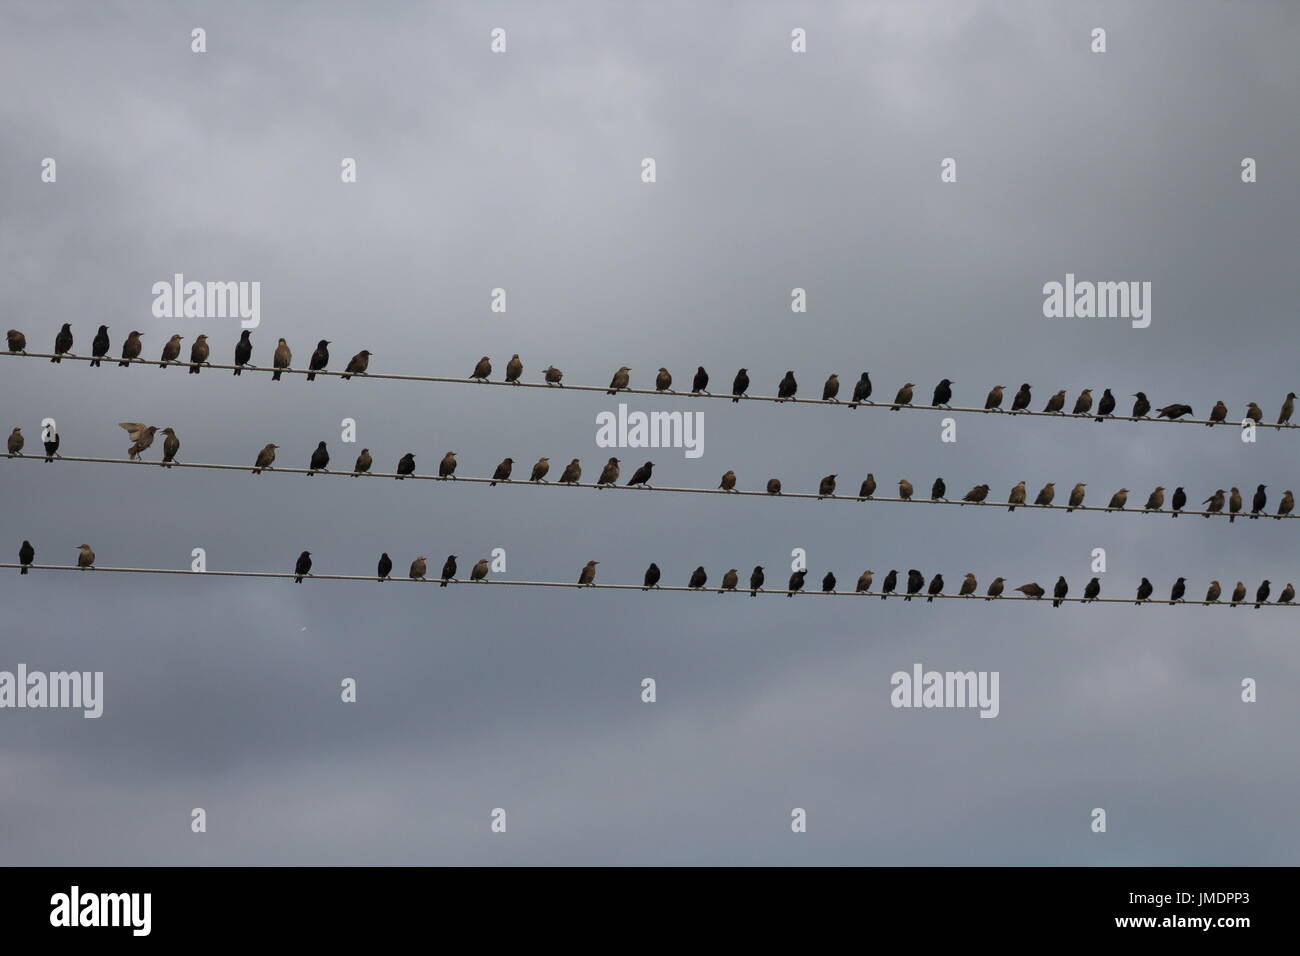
501, 582
671, 393
275, 469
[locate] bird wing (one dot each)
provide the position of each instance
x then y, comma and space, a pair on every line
134, 430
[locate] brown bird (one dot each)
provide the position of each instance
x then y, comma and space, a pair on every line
729, 580
1217, 414
514, 368
243, 351
1283, 417
995, 589
608, 474
904, 397
663, 380
1285, 505
419, 568
171, 445
976, 494
503, 472
1212, 595
1157, 499
480, 570
1287, 595
572, 473
1119, 499
968, 586
1047, 494
1234, 504
86, 559
16, 340
170, 352
199, 354
831, 389
642, 475
994, 401
482, 369
540, 469
1082, 405
357, 365
1017, 496
1076, 496
868, 487
26, 555
265, 458
140, 434
1215, 502
364, 461
1239, 593
63, 342
864, 582
1031, 590
447, 467
774, 486
827, 487
553, 376
1056, 403
16, 442
1022, 399
1254, 412
905, 489
130, 348
588, 575
282, 359
620, 380
448, 570
728, 482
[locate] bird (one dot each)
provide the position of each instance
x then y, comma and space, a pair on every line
1283, 417
1060, 591
1022, 399
572, 473
130, 348
642, 475
1076, 496
447, 467
406, 466
282, 359
1092, 589
357, 365
243, 351
740, 385
1258, 502
86, 559
1254, 412
1156, 500
385, 567
1261, 596
936, 587
1032, 590
1179, 499
1178, 590
620, 380
1047, 494
651, 577
99, 346
968, 585
62, 342
864, 582
199, 352
728, 482
419, 567
1287, 595
302, 568
861, 390
796, 582
482, 369
828, 582
16, 442
756, 579
994, 400
1144, 591
995, 589
701, 382
1215, 502
320, 459
1174, 411
363, 463
1142, 406
1284, 506
868, 486
588, 574
904, 397
319, 359
514, 369
1056, 403
171, 445
16, 340
264, 458
976, 494
553, 376
1083, 404
503, 471
1217, 414
663, 380
1239, 593
480, 570
1118, 500
698, 578
1106, 406
608, 474
787, 387
938, 490
141, 436
1234, 504
1213, 592
915, 581
887, 586
26, 555
1017, 496
448, 570
827, 487
905, 489
831, 389
540, 469
943, 392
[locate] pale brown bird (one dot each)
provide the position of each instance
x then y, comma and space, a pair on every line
1215, 502
86, 559
1083, 404
553, 376
1119, 499
540, 469
171, 350
140, 434
1017, 496
864, 582
1254, 412
664, 380
831, 389
1157, 499
419, 567
503, 472
357, 365
995, 589
827, 487
131, 348
572, 473
1056, 403
480, 570
728, 482
265, 458
16, 442
514, 368
482, 369
1283, 417
904, 397
447, 467
729, 580
868, 487
968, 586
1234, 504
1239, 593
199, 352
282, 359
620, 380
1076, 496
994, 400
1217, 414
1212, 595
1031, 590
905, 489
1287, 595
1285, 505
364, 461
976, 494
171, 445
608, 474
1047, 494
16, 340
588, 575
774, 486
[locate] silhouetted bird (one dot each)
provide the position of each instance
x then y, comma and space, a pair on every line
1179, 499
572, 473
788, 387
729, 580
740, 385
385, 567
995, 588
642, 475
1283, 417
1092, 589
1239, 593
1060, 591
265, 458
1032, 589
828, 582
943, 392
86, 557
1141, 406
363, 463
1022, 399
357, 365
199, 352
938, 490
281, 360
701, 382
904, 397
1283, 507
447, 467
887, 586
1217, 414
796, 582
936, 587
1213, 592
302, 568
827, 486
1258, 502
976, 494
26, 555
482, 369
1262, 594
1076, 496
864, 582
320, 459
663, 380
1178, 590
861, 390
1156, 500
406, 466
1106, 406
1056, 403
62, 342
171, 445
1119, 499
243, 351
588, 573
1017, 496
608, 474
16, 341
503, 472
141, 436
514, 369
553, 376
448, 570
99, 346
728, 482
1144, 591
319, 359
774, 486
540, 469
905, 489
698, 578
620, 379
868, 486
915, 581
1174, 411
480, 570
994, 399
419, 567
831, 389
1083, 404
1047, 494
756, 579
651, 577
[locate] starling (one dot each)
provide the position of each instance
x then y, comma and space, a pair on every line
514, 369
141, 436
1234, 504
1141, 407
264, 458
302, 568
1118, 500
756, 580
553, 376
405, 467
968, 585
320, 459
994, 400
1283, 507
1283, 417
905, 489
796, 582
131, 348
86, 559
620, 379
1047, 494
243, 351
171, 445
1254, 412
26, 555
663, 380
828, 583
480, 570
283, 358
1017, 496
1215, 502
363, 463
774, 486
63, 342
936, 587
788, 387
99, 346
995, 589
1287, 595
915, 581
572, 473
938, 490
1261, 596
1092, 589
357, 365
888, 585
1022, 399
864, 582
1174, 411
448, 570
943, 392
319, 359
1239, 593
698, 578
608, 474
1060, 591
588, 574
651, 577
483, 369
1217, 414
1156, 501
1212, 595
1083, 404
1106, 406
904, 397
419, 567
868, 487
976, 494
385, 567
540, 469
447, 467
1258, 502
1144, 591
831, 389
1076, 496
827, 487
1179, 499
16, 340
861, 390
728, 482
1031, 590
1056, 403
1178, 590
16, 442
642, 475
503, 471
199, 354
701, 383
740, 385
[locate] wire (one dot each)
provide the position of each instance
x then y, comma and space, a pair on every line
640, 488
621, 587
649, 391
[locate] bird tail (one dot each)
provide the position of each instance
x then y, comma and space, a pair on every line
929, 600
297, 579
1011, 508
194, 369
94, 363
56, 359
346, 377
275, 376
239, 370
311, 376
1056, 604
443, 583
123, 364
735, 398
24, 570
1231, 518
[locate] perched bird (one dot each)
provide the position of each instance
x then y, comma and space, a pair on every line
663, 380
864, 582
99, 346
976, 494
447, 467
199, 352
620, 379
1178, 590
1118, 500
1144, 591
1076, 496
553, 376
995, 589
265, 457
1261, 596
868, 486
608, 474
1284, 506
448, 570
1031, 589
994, 400
1092, 589
131, 348
63, 342
701, 382
16, 340
1022, 399
938, 490
889, 584
572, 473
419, 567
756, 579
943, 392
915, 581
1287, 595
171, 445
827, 487
728, 482
1056, 403
320, 460
540, 469
282, 359
514, 369
1258, 502
698, 578
968, 586
774, 486
1141, 407
1047, 494
861, 390
26, 555
480, 570
1179, 499
406, 466
141, 436
482, 369
385, 567
1060, 591
1254, 412
1174, 411
1212, 594
1083, 404
357, 365
904, 397
16, 442
796, 582
1106, 406
1239, 593
363, 463
1156, 500
740, 385
86, 558
1017, 496
831, 389
828, 582
302, 568
787, 387
936, 587
651, 577
1234, 504
243, 351
642, 475
588, 574
1283, 417
503, 471
1215, 502
1217, 414
319, 359
905, 489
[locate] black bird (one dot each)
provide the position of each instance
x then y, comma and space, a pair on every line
1144, 591
503, 472
448, 570
99, 347
243, 351
385, 567
1022, 399
642, 475
861, 390
891, 582
26, 555
320, 459
828, 582
1260, 499
1179, 499
62, 342
915, 581
788, 387
774, 486
319, 359
868, 486
1178, 590
756, 580
1261, 595
936, 587
1141, 406
1092, 589
995, 589
740, 385
1174, 411
938, 490
827, 487
796, 582
1106, 406
701, 383
357, 365
1060, 591
302, 568
651, 577
943, 393
406, 466
52, 447
698, 578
